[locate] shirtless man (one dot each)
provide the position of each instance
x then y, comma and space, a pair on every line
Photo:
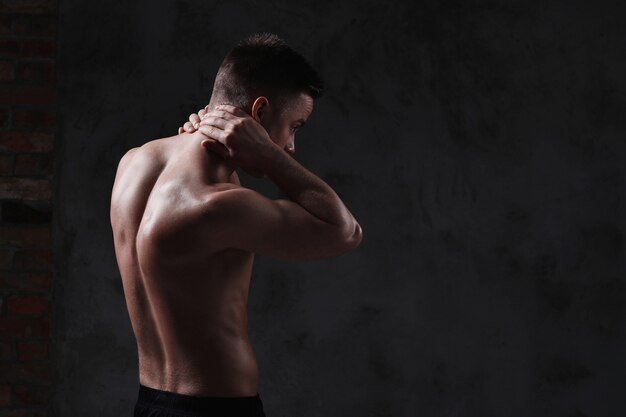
186, 231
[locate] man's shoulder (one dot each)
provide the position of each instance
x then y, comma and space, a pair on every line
152, 152
127, 156
138, 150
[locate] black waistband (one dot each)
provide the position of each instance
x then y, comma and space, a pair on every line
191, 403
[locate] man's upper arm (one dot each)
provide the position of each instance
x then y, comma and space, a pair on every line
245, 219
121, 165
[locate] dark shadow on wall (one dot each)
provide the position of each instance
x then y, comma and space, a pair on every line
480, 145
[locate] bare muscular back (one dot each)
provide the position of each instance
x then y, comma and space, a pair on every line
188, 307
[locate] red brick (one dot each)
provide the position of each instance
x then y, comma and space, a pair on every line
5, 395
25, 372
5, 116
10, 48
6, 164
33, 259
33, 25
28, 6
26, 211
41, 72
28, 351
25, 236
25, 412
6, 257
25, 188
29, 281
27, 304
26, 141
33, 118
38, 48
25, 327
31, 395
6, 25
34, 164
27, 95
7, 351
7, 72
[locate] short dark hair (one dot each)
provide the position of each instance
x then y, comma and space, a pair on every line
263, 64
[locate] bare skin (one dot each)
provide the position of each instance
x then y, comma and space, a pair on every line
186, 232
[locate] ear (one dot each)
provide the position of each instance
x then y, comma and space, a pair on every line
259, 108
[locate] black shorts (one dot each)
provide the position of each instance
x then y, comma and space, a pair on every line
152, 402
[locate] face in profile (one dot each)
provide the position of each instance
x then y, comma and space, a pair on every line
282, 126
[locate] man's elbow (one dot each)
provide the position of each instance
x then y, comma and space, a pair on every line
342, 241
354, 236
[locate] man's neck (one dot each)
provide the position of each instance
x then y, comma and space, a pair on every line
212, 168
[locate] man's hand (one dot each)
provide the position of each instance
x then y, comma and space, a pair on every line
238, 138
194, 120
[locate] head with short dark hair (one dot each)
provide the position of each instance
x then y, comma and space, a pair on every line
262, 64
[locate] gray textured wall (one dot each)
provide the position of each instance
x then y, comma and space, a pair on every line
480, 145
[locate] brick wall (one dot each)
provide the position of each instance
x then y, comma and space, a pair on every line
28, 31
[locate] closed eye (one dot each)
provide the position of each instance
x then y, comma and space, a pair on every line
300, 122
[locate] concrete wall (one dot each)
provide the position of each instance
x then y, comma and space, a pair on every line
481, 147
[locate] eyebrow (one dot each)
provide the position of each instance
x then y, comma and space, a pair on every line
302, 122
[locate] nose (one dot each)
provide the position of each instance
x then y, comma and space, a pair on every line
290, 149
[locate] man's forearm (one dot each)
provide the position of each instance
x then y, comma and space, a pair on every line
309, 191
